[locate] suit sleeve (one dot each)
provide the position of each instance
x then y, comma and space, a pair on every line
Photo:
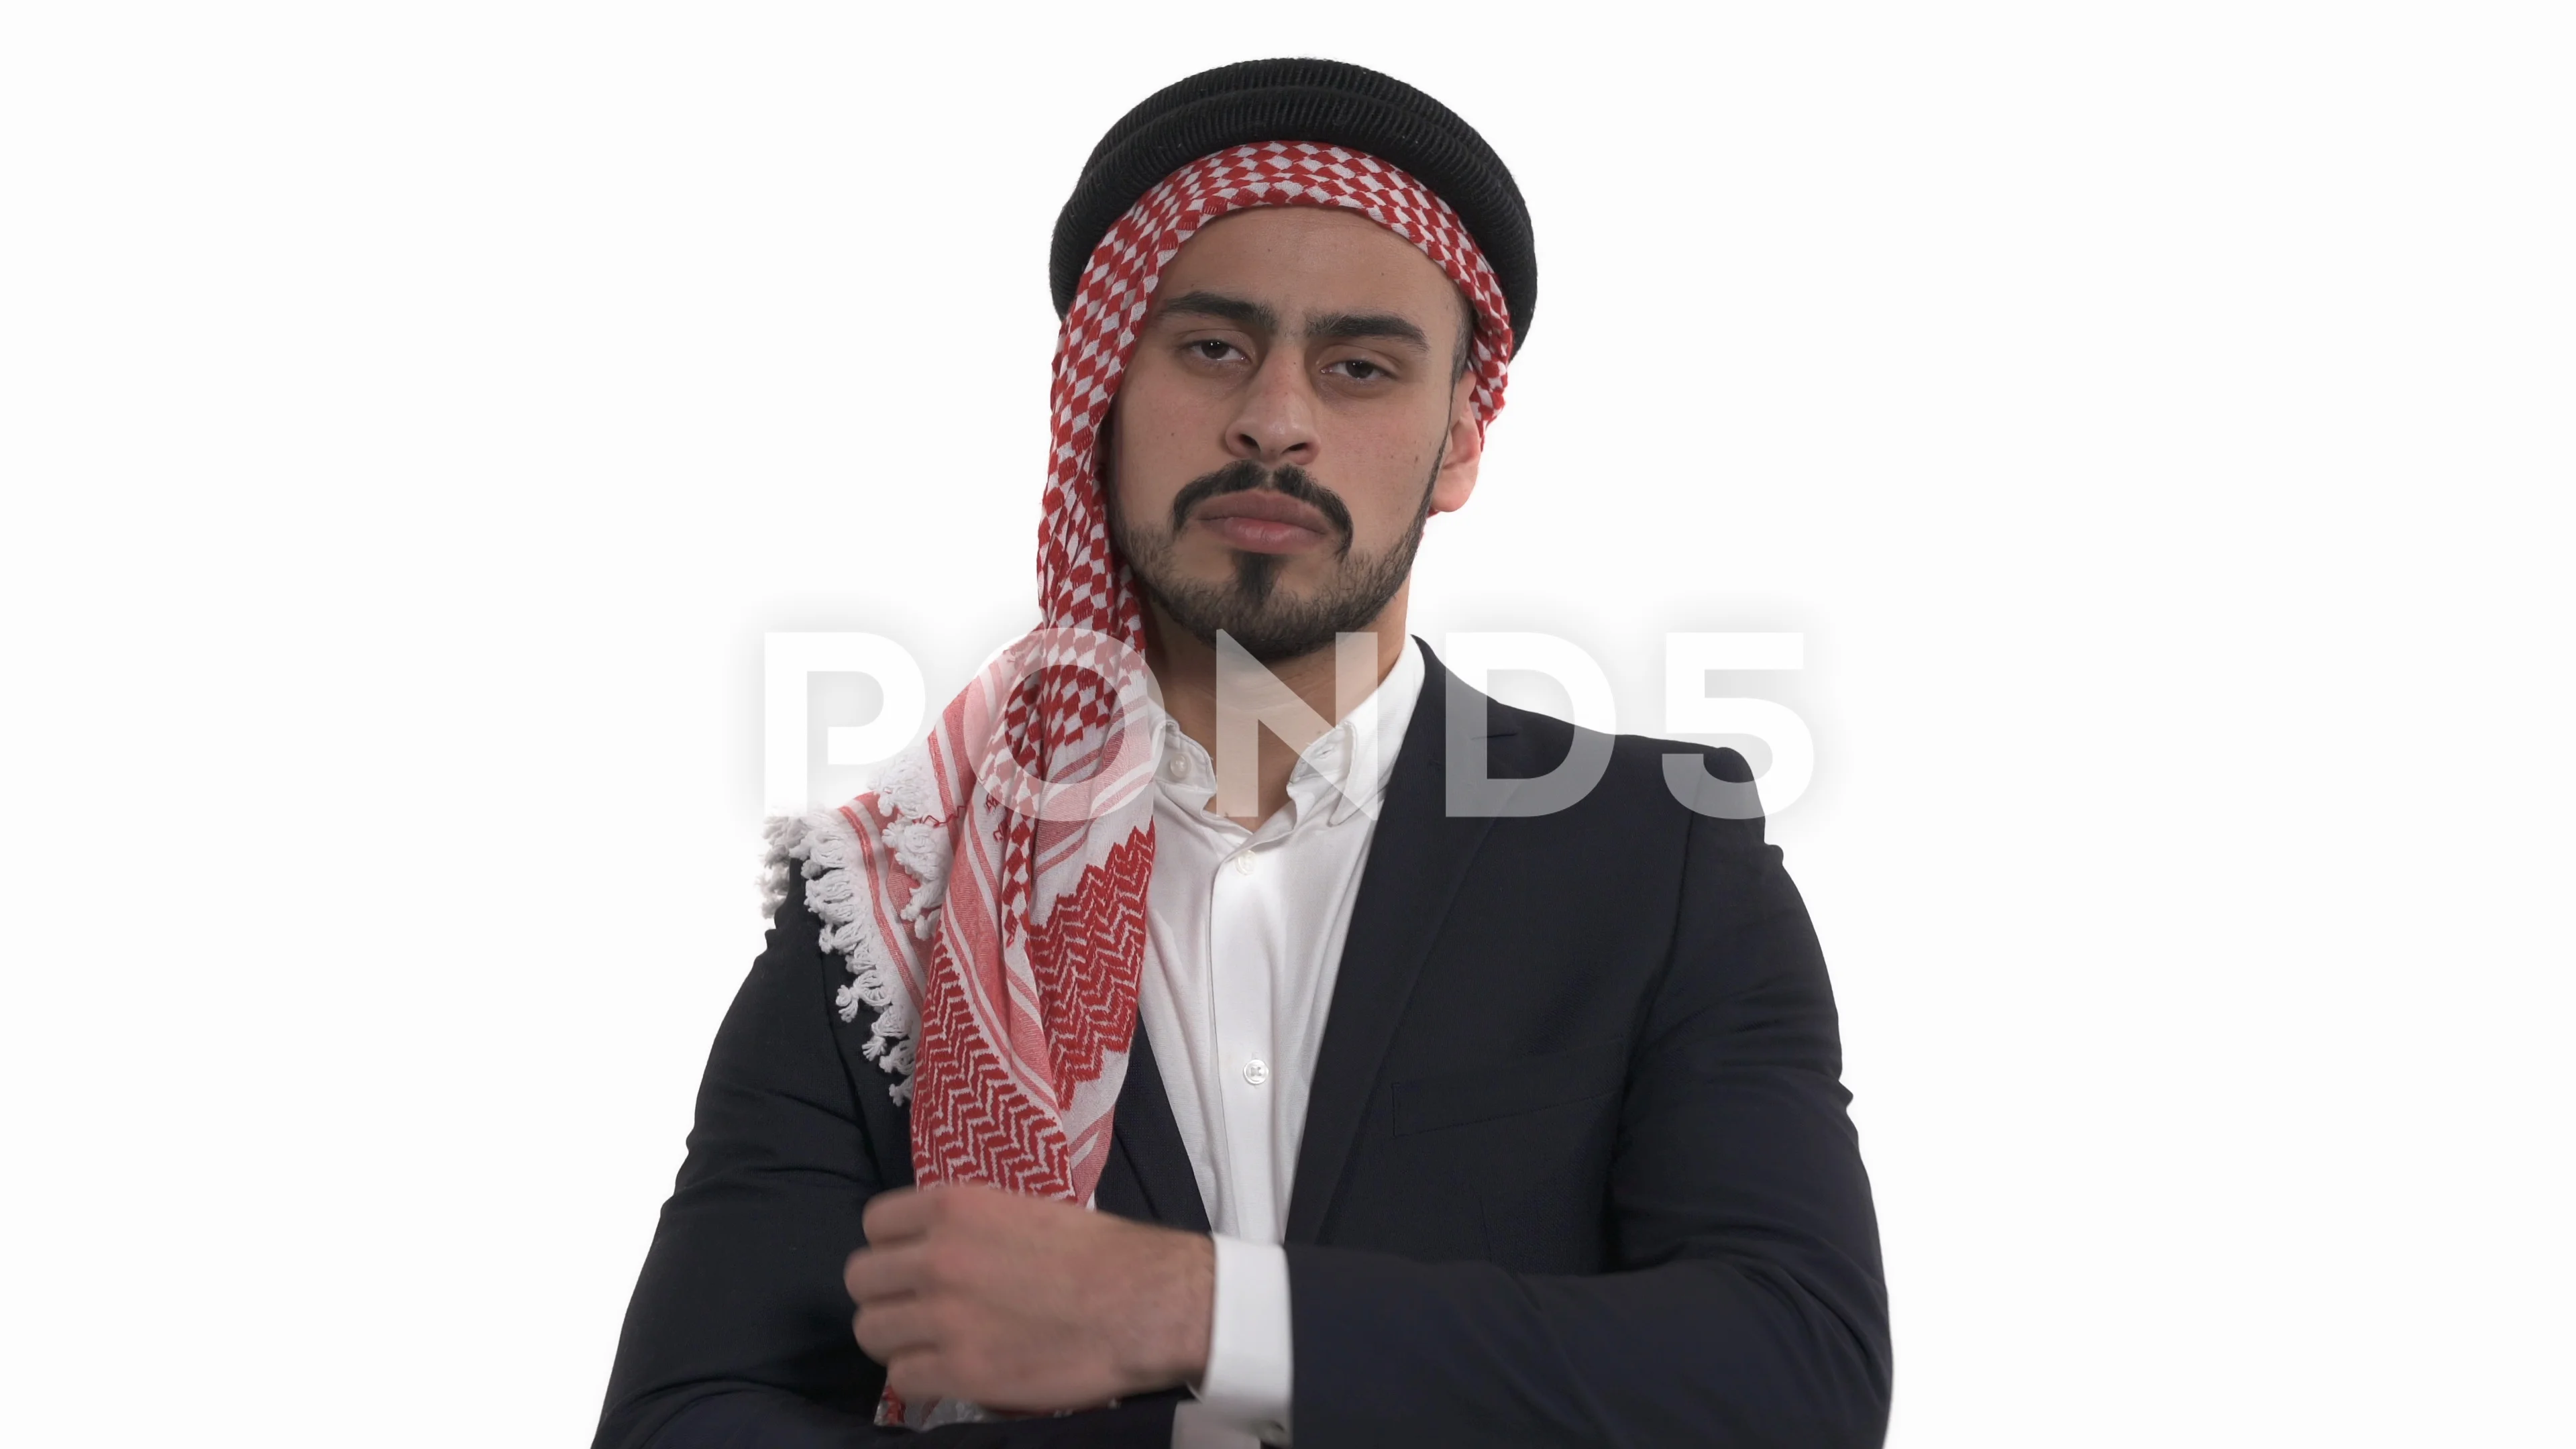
739, 1336
1749, 1309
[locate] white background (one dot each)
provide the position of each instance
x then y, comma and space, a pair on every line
2156, 417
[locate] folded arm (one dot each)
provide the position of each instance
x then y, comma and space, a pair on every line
740, 1333
1749, 1307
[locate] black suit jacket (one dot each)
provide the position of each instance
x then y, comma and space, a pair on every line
1576, 1167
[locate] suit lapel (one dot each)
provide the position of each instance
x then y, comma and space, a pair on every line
1415, 864
1148, 1175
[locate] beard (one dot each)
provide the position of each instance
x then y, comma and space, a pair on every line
1269, 625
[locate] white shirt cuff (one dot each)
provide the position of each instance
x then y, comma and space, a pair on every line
1246, 1387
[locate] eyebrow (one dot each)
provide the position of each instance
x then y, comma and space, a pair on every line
1332, 326
1359, 326
1243, 313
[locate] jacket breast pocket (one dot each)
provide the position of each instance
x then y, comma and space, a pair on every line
1510, 1089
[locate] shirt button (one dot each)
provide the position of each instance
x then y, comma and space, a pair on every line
1243, 863
1256, 1071
1177, 768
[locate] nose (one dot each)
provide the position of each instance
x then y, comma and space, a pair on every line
1276, 423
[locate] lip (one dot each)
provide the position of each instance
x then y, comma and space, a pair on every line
1260, 521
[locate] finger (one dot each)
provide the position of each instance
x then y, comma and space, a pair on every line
890, 1328
893, 1216
921, 1375
872, 1273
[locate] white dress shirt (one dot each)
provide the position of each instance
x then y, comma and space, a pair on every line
1244, 938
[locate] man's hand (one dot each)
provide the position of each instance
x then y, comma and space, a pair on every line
970, 1292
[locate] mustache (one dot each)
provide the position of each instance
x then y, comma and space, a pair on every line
1243, 475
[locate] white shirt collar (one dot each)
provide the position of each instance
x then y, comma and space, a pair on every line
1347, 766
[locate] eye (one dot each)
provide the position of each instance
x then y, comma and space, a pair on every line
1211, 349
1360, 369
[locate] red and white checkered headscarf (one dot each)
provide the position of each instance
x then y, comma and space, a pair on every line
1001, 950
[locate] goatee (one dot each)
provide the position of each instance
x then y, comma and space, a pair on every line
1269, 626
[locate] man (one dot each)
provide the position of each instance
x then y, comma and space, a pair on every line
1255, 1092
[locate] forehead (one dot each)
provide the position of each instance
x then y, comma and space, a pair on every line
1309, 258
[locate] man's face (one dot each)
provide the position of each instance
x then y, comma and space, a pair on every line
1291, 417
